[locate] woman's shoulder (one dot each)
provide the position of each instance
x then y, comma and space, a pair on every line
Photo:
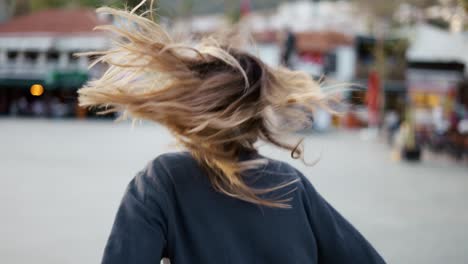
172, 167
170, 163
282, 167
280, 172
174, 160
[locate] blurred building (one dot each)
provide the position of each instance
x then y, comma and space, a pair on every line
391, 87
325, 42
327, 53
39, 74
437, 87
430, 44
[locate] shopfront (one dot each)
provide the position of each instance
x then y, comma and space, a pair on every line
53, 96
434, 92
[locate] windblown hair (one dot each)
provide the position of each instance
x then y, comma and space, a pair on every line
217, 100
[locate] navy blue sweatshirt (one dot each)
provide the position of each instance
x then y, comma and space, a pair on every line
170, 210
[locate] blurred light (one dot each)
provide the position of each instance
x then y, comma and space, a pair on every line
36, 90
418, 98
456, 24
433, 100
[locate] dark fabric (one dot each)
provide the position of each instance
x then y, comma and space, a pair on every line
171, 210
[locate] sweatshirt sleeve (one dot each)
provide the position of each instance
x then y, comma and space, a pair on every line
337, 240
138, 235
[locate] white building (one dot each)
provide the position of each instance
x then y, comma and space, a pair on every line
304, 16
39, 49
432, 44
324, 29
34, 46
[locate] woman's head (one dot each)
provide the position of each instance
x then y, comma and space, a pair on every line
216, 100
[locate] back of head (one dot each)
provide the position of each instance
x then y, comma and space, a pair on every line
216, 100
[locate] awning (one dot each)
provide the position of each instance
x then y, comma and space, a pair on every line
68, 80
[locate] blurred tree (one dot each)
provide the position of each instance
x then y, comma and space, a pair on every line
464, 3
186, 8
129, 3
43, 4
20, 7
232, 10
92, 3
25, 6
385, 10
381, 14
423, 3
379, 8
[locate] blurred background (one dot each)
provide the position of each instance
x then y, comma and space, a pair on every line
395, 162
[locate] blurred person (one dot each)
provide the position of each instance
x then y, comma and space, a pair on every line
38, 108
392, 124
220, 201
455, 138
23, 106
58, 109
288, 48
406, 144
13, 109
441, 125
462, 126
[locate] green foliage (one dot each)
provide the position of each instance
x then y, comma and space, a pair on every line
126, 3
187, 7
379, 8
35, 5
232, 10
233, 15
464, 4
43, 4
385, 9
19, 7
91, 3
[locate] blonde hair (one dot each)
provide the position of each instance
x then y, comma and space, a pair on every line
215, 99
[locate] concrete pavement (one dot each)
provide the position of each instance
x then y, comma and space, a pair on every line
61, 182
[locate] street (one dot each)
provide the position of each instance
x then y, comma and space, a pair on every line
62, 180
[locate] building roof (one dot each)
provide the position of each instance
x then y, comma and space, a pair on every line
53, 21
321, 41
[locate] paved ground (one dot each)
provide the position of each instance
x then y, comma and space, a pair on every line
61, 181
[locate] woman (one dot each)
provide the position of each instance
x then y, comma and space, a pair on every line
220, 201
